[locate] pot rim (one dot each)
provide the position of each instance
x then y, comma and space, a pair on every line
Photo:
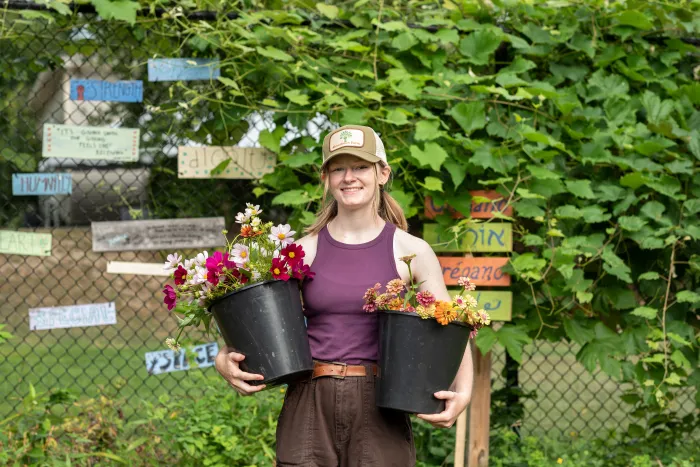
414, 314
249, 286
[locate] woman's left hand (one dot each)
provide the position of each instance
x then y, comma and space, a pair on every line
455, 403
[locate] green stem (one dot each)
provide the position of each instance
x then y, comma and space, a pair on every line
410, 284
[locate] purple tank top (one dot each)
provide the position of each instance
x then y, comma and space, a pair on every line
339, 329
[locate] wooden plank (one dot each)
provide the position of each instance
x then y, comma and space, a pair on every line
106, 91
130, 267
13, 242
246, 163
42, 184
183, 69
480, 410
497, 303
460, 439
479, 209
163, 234
481, 237
482, 271
90, 142
73, 316
167, 361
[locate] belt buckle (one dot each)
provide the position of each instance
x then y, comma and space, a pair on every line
343, 371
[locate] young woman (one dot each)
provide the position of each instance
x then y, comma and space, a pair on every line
358, 236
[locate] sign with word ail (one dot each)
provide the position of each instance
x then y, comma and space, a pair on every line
108, 91
90, 142
498, 304
25, 243
167, 361
197, 162
482, 271
183, 69
73, 316
483, 237
164, 234
131, 267
479, 209
42, 184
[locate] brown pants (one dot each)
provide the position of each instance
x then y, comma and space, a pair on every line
333, 422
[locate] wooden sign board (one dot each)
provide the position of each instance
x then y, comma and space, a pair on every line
42, 184
183, 69
75, 316
482, 237
143, 269
197, 162
107, 91
88, 142
25, 243
497, 303
482, 271
479, 210
167, 361
164, 234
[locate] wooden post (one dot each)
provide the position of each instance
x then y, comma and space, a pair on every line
461, 438
480, 410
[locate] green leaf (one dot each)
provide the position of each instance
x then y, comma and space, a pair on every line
427, 130
485, 339
396, 117
632, 223
121, 10
405, 200
433, 184
469, 115
635, 19
457, 171
513, 338
633, 180
614, 265
297, 97
653, 210
657, 111
329, 11
274, 53
478, 46
649, 276
541, 172
680, 360
694, 144
433, 155
687, 296
577, 331
580, 188
23, 161
229, 82
220, 167
645, 312
291, 198
302, 159
271, 140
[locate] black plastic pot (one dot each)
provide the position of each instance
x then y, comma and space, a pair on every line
417, 358
264, 321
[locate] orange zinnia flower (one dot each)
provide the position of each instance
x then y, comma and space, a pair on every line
444, 312
395, 304
247, 231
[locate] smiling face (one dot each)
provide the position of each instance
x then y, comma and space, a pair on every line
354, 182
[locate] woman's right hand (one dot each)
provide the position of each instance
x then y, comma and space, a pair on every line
227, 364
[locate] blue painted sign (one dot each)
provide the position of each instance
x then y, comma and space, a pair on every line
42, 184
183, 69
108, 91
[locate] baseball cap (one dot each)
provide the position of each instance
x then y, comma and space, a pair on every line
357, 140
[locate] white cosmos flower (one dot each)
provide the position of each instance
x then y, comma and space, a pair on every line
242, 218
252, 210
199, 276
172, 262
201, 259
255, 275
282, 234
255, 222
240, 254
188, 264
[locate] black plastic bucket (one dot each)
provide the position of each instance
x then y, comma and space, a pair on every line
417, 358
264, 321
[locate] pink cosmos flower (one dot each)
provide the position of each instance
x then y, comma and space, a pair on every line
301, 271
180, 275
279, 269
215, 262
294, 253
170, 297
425, 298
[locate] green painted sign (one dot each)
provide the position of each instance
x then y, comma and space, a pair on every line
498, 304
13, 242
480, 237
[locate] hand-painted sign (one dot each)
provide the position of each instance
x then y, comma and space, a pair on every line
484, 236
108, 91
167, 361
482, 271
42, 184
183, 69
164, 234
87, 142
25, 243
74, 316
144, 269
197, 162
498, 304
479, 209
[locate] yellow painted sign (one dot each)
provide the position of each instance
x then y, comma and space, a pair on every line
248, 163
482, 237
497, 303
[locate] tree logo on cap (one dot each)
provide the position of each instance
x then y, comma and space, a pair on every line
345, 135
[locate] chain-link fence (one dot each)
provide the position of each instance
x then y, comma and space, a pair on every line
37, 62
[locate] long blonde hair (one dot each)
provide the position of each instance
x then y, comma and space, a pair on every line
385, 205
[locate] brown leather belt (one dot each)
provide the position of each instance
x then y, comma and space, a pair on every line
341, 370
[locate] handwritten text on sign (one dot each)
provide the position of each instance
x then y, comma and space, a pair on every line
94, 314
482, 271
197, 162
166, 361
25, 243
182, 69
108, 91
498, 304
485, 237
86, 142
164, 234
479, 209
42, 184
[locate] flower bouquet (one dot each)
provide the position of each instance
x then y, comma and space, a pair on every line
421, 341
252, 292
